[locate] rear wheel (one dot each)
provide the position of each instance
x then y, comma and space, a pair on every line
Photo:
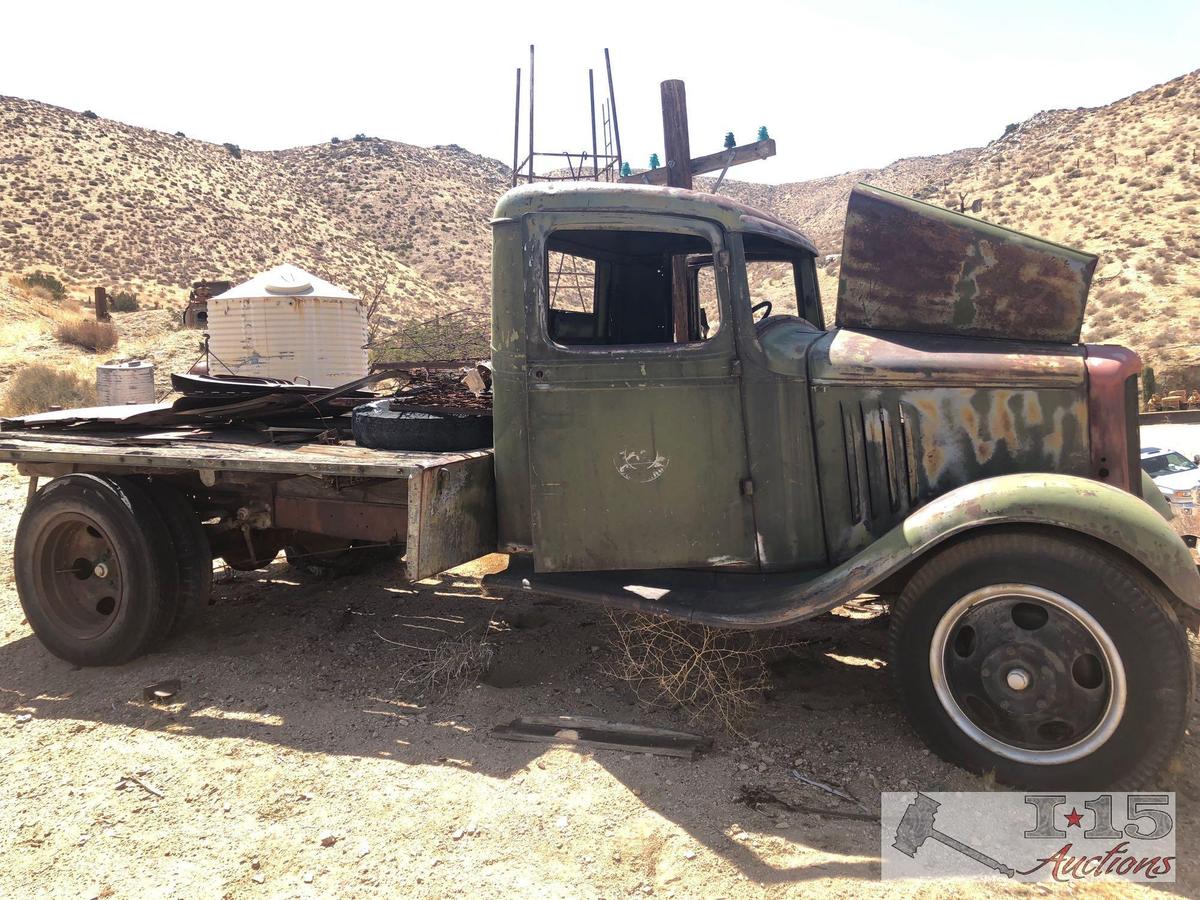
193, 556
1047, 659
94, 570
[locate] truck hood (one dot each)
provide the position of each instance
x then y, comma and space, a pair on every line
910, 266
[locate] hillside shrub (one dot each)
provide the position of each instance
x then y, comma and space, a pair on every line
44, 285
234, 150
87, 333
88, 114
123, 301
37, 388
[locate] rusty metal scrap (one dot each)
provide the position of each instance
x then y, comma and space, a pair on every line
444, 393
910, 266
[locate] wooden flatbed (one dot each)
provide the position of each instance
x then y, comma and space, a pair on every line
441, 506
216, 450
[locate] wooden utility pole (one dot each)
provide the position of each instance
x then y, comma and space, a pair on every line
679, 175
675, 134
102, 305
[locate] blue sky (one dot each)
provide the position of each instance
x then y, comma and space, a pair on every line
840, 85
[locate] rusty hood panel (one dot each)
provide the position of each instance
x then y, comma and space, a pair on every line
910, 266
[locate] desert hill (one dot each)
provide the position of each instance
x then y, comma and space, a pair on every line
99, 202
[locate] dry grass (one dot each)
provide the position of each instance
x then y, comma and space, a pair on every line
37, 388
449, 663
711, 674
87, 333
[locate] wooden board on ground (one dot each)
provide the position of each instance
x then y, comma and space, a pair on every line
604, 734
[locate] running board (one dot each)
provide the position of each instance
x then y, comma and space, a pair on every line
723, 599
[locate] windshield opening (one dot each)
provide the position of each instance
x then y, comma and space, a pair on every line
1167, 464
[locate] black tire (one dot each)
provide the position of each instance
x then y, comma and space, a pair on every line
336, 562
73, 527
193, 556
1029, 688
379, 426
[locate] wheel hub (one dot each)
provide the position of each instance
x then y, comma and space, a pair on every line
1027, 673
79, 576
1017, 679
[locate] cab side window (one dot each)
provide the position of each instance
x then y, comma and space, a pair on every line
611, 287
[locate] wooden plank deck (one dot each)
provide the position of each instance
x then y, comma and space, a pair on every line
229, 450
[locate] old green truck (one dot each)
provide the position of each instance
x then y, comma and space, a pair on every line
678, 430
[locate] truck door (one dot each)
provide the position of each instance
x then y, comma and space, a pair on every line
637, 448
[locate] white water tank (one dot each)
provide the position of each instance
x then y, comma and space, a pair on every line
122, 383
287, 323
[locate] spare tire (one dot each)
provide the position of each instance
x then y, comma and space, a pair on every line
378, 425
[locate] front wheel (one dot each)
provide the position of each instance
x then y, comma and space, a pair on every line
1045, 658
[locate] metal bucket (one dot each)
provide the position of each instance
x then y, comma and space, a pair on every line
123, 383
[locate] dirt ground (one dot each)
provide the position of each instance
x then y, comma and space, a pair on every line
294, 762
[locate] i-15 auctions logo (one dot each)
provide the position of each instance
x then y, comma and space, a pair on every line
1067, 837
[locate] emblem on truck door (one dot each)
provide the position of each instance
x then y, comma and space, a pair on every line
641, 466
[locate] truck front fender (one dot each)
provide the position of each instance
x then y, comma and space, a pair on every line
1099, 510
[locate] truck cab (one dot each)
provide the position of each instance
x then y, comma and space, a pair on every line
668, 394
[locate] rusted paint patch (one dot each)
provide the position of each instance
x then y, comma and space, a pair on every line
910, 266
961, 434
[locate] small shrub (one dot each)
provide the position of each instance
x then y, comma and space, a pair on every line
360, 137
234, 150
711, 674
335, 140
44, 285
37, 388
123, 301
88, 334
88, 114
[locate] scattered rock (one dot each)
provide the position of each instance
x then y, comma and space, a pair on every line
328, 839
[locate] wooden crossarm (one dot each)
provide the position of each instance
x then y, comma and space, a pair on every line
713, 162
